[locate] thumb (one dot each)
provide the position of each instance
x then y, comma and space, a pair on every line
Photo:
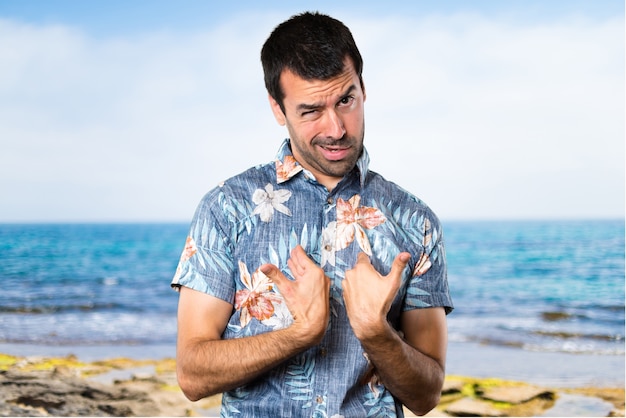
362, 258
273, 273
399, 264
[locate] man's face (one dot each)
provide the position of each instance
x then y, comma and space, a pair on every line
325, 122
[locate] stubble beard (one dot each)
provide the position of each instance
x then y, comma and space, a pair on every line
341, 167
317, 162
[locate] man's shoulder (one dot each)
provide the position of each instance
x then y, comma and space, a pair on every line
239, 187
396, 198
378, 185
250, 178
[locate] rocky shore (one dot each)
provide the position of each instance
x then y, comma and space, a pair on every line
65, 386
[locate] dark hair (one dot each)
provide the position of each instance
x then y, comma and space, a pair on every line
311, 45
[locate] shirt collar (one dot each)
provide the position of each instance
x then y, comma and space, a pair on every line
287, 166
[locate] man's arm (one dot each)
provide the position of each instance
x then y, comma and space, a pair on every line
207, 365
413, 367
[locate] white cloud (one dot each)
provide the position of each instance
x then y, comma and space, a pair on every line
500, 120
126, 128
479, 118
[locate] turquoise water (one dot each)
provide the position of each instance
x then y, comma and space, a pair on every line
533, 286
546, 286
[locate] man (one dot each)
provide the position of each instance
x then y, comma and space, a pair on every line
311, 286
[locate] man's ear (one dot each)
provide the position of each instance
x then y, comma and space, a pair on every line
278, 112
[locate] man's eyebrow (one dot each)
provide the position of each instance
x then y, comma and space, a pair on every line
305, 106
314, 106
348, 92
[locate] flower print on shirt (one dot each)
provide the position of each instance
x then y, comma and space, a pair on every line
328, 244
190, 249
424, 263
351, 219
371, 378
287, 168
269, 199
188, 252
282, 318
258, 298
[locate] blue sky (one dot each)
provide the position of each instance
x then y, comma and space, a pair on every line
119, 16
132, 110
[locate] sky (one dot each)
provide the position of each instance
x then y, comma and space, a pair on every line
118, 111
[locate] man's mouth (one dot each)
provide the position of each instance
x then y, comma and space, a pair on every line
334, 153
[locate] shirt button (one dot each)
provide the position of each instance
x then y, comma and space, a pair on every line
323, 352
328, 247
329, 200
319, 399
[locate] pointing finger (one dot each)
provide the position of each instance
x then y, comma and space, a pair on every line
274, 274
399, 264
362, 258
300, 256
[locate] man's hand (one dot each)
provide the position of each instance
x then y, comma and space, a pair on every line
368, 295
307, 297
207, 365
410, 366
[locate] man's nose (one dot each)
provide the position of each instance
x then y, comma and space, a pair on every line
333, 126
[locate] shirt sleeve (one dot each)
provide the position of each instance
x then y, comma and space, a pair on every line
206, 263
428, 286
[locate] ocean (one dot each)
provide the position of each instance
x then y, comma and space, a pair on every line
526, 287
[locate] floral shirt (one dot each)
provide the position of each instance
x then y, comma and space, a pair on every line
257, 217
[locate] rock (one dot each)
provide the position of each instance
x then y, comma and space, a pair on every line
7, 410
63, 371
144, 376
39, 394
515, 394
468, 407
452, 386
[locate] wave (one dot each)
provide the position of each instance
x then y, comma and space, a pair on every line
69, 342
54, 309
573, 345
579, 335
554, 316
574, 349
589, 312
591, 307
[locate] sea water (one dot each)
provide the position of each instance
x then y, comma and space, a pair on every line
535, 286
544, 286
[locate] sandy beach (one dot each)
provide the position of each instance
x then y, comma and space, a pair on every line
36, 385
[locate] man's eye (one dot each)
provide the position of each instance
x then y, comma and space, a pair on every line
346, 100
